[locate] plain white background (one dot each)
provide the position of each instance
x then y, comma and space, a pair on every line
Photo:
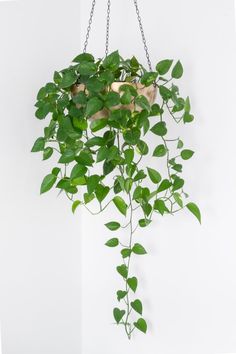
57, 279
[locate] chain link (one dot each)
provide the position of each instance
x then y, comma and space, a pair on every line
89, 26
143, 35
108, 27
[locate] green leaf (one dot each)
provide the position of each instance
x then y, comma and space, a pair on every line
137, 306
188, 118
178, 183
160, 151
67, 156
68, 79
112, 61
84, 57
142, 102
56, 171
122, 270
94, 105
126, 252
95, 141
187, 105
142, 147
165, 93
141, 325
75, 204
144, 222
186, 154
164, 66
132, 136
38, 145
120, 204
92, 183
160, 206
139, 175
87, 68
102, 153
178, 199
194, 210
85, 158
101, 192
138, 249
118, 314
155, 176
80, 98
121, 294
47, 183
129, 156
43, 111
165, 184
113, 242
159, 129
177, 71
47, 153
180, 144
88, 197
126, 98
113, 225
149, 78
78, 171
112, 99
94, 85
132, 283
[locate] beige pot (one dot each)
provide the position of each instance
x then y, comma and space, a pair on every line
149, 92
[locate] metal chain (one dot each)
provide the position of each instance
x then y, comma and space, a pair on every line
89, 26
108, 27
143, 35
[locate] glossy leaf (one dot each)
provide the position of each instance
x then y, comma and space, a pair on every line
194, 210
120, 204
118, 314
113, 225
47, 183
141, 325
113, 242
137, 306
138, 249
159, 129
164, 66
154, 175
186, 154
132, 283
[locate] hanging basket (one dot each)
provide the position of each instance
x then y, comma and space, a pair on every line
149, 92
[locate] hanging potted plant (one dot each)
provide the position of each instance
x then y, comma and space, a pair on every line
101, 117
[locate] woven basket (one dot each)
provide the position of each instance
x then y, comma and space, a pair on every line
149, 92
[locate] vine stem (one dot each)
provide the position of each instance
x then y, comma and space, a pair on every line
128, 328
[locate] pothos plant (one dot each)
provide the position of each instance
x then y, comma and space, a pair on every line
101, 136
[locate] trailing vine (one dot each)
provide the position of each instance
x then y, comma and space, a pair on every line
93, 124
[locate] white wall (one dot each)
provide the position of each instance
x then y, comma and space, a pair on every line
188, 278
40, 258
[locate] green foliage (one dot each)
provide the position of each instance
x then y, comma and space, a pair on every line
113, 225
47, 183
141, 325
137, 306
118, 314
186, 154
99, 136
113, 242
194, 210
120, 204
164, 66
